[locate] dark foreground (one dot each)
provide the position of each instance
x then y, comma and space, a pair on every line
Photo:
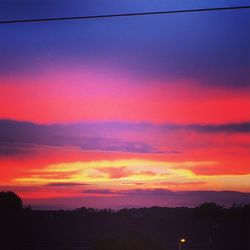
205, 227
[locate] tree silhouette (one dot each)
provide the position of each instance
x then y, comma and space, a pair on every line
209, 210
10, 201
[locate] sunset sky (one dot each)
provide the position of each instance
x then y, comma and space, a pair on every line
128, 111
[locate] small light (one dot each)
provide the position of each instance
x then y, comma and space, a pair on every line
182, 240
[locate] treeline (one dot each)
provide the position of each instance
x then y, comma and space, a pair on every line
208, 226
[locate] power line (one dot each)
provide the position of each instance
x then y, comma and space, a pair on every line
122, 15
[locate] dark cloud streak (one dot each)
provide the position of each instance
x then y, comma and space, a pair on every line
18, 137
65, 184
180, 198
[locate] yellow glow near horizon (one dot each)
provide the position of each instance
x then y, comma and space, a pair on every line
119, 174
101, 171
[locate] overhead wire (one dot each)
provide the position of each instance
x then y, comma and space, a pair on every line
52, 19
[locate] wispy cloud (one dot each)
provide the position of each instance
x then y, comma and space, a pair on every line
16, 136
19, 137
65, 184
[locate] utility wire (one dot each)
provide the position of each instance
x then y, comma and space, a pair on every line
121, 15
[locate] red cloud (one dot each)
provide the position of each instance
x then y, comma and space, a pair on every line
223, 169
116, 173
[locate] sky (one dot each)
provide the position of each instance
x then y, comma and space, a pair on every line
127, 111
